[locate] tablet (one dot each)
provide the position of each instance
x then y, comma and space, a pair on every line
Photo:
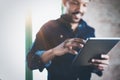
93, 48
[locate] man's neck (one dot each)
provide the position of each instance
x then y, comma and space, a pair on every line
74, 26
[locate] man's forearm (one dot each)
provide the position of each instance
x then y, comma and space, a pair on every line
47, 56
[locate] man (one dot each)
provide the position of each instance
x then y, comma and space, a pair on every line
58, 41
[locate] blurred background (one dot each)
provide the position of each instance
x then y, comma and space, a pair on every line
15, 15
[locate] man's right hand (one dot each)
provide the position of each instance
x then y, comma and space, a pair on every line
67, 46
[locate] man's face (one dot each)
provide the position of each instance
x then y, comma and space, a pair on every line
76, 9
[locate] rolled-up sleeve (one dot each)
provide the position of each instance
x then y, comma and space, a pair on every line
35, 62
40, 53
98, 72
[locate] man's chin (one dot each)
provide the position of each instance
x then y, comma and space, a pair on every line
76, 20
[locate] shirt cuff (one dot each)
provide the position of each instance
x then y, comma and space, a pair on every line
39, 53
98, 72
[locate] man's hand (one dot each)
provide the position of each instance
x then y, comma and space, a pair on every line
65, 47
102, 63
68, 45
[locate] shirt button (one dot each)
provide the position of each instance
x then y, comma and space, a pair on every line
61, 36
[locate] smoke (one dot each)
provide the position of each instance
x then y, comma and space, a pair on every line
116, 72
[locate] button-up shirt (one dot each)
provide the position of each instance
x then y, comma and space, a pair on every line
49, 36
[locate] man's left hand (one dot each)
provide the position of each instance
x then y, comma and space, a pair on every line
102, 63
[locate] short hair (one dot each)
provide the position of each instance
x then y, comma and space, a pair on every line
64, 1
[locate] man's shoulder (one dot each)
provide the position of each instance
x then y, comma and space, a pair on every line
50, 24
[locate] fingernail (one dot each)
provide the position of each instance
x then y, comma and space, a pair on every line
102, 56
81, 45
76, 53
93, 60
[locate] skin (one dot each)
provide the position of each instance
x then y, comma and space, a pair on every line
75, 9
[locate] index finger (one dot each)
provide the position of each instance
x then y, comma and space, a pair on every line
79, 40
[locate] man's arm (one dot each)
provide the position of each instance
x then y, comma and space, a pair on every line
63, 48
37, 59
